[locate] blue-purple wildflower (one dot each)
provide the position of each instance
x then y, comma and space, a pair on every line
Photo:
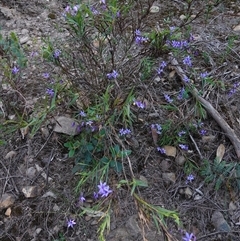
168, 98
15, 70
113, 75
56, 53
186, 79
234, 89
181, 133
181, 94
204, 75
139, 39
50, 92
70, 223
82, 199
161, 150
157, 127
103, 189
46, 75
190, 178
82, 113
124, 132
187, 61
189, 237
183, 147
139, 104
202, 132
161, 67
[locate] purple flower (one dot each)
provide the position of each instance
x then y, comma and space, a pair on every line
46, 75
89, 123
103, 189
34, 53
181, 133
138, 32
187, 61
181, 93
56, 53
82, 113
161, 150
139, 104
124, 132
95, 195
203, 75
15, 70
189, 237
113, 75
94, 11
186, 79
190, 178
103, 1
202, 132
141, 40
71, 223
50, 92
167, 98
82, 198
157, 127
172, 29
183, 147
161, 67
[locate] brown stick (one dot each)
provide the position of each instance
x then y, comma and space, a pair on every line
210, 109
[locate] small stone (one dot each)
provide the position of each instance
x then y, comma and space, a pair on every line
188, 193
169, 176
38, 230
180, 160
30, 191
24, 31
182, 17
10, 155
56, 208
23, 40
219, 222
132, 226
236, 28
31, 172
49, 194
154, 9
66, 126
6, 201
8, 212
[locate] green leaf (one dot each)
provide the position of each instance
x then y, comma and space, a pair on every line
117, 166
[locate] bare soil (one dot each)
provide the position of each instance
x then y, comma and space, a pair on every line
43, 216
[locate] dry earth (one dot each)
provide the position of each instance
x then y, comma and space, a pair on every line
43, 214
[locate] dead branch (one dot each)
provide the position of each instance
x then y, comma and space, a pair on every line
209, 108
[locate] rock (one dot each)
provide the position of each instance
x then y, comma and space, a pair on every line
8, 212
49, 194
182, 17
219, 222
10, 155
170, 150
188, 193
31, 172
30, 191
180, 160
6, 201
132, 226
169, 177
154, 9
23, 39
237, 28
66, 126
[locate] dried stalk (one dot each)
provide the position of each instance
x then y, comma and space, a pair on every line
209, 108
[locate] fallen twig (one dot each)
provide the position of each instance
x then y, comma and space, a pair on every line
209, 108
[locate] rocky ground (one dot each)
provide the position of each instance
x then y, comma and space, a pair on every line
36, 181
